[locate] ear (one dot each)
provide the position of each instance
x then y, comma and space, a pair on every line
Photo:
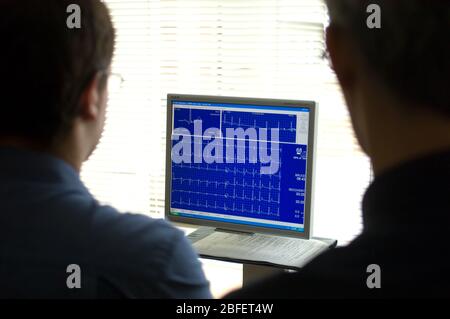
342, 55
90, 100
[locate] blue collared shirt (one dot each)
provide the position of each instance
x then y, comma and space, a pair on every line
49, 220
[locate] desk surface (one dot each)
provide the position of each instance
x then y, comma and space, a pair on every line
206, 231
237, 273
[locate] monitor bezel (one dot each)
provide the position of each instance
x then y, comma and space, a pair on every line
308, 214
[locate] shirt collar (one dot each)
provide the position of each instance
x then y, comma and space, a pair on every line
25, 165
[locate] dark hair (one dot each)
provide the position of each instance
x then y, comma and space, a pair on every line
45, 65
411, 51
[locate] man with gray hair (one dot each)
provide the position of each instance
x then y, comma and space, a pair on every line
395, 78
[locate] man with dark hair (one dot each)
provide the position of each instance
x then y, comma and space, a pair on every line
396, 82
56, 240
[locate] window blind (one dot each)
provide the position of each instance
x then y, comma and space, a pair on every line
246, 48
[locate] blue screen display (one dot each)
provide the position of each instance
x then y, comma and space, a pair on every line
222, 174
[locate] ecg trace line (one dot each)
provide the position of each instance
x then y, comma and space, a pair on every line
239, 124
226, 183
190, 121
259, 211
226, 170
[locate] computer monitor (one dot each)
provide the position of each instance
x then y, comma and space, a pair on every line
241, 164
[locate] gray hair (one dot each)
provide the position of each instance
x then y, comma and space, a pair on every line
410, 53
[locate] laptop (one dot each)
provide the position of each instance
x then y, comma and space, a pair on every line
242, 170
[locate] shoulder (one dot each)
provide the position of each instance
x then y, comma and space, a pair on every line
154, 256
138, 236
338, 273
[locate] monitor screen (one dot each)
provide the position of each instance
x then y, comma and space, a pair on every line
239, 163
